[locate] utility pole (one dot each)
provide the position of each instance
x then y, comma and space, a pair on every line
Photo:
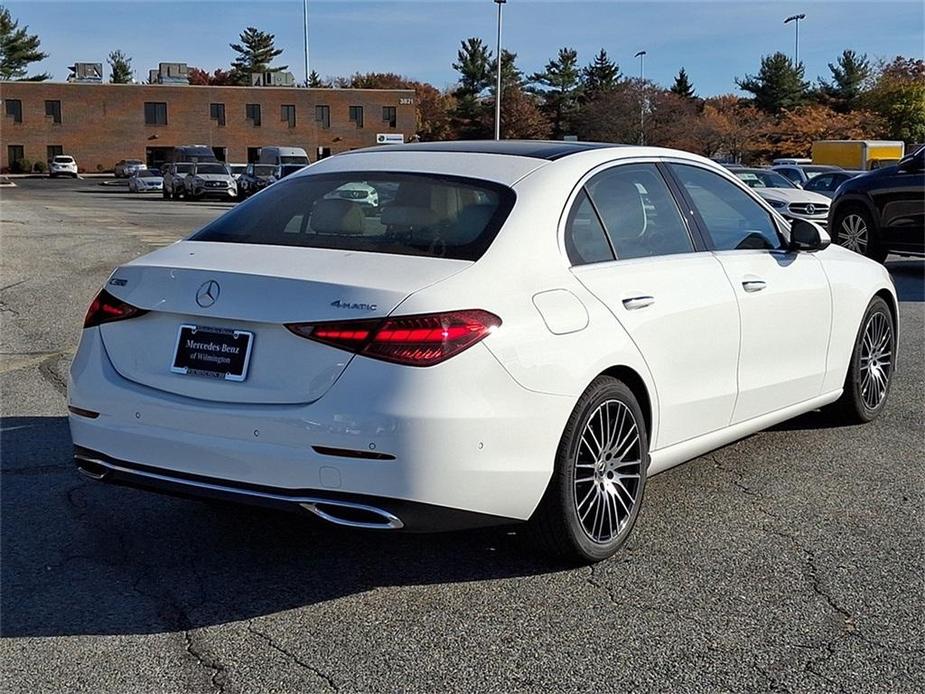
796, 44
642, 96
305, 36
500, 4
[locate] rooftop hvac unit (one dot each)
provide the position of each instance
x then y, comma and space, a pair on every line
273, 78
173, 73
86, 72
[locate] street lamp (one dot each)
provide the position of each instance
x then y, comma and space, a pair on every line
796, 49
498, 76
642, 97
305, 36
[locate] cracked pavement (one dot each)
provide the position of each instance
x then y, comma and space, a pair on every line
791, 561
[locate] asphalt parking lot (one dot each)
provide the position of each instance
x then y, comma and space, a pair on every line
789, 561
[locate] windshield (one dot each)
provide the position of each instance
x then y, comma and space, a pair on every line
264, 170
428, 215
760, 178
211, 169
184, 168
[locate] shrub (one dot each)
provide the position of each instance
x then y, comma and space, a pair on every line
22, 166
40, 167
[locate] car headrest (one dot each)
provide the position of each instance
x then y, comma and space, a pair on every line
337, 217
407, 216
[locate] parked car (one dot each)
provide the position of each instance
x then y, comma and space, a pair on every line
62, 165
126, 167
191, 153
283, 170
882, 211
282, 155
791, 201
210, 179
146, 181
173, 179
464, 360
255, 178
826, 183
801, 173
362, 194
237, 170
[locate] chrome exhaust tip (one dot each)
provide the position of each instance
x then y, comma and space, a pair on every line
353, 515
93, 469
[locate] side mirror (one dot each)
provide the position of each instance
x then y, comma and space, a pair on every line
808, 236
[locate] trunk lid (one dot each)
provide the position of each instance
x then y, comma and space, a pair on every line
256, 289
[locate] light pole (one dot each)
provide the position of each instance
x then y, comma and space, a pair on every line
305, 36
796, 44
642, 96
500, 3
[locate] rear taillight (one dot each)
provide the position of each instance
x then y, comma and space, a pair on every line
422, 340
106, 308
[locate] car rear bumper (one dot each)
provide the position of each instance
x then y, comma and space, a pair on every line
462, 437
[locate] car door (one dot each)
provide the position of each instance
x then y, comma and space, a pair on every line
784, 297
900, 201
632, 248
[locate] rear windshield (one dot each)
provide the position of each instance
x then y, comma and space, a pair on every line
211, 169
63, 160
408, 214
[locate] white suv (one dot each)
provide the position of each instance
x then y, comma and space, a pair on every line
62, 165
210, 178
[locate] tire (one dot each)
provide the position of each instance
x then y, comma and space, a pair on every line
588, 520
175, 194
856, 231
867, 384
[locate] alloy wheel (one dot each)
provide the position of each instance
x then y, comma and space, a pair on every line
607, 471
876, 357
853, 234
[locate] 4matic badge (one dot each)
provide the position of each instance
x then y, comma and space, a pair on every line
354, 306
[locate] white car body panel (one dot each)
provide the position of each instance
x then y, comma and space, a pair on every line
477, 432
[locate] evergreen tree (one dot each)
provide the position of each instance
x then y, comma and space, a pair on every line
682, 85
511, 76
559, 84
600, 76
849, 75
18, 49
255, 53
315, 81
473, 63
778, 85
120, 68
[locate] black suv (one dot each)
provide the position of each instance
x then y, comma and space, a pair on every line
882, 211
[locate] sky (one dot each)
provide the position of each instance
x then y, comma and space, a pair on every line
716, 41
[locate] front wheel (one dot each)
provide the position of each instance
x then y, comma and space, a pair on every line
855, 230
595, 493
870, 371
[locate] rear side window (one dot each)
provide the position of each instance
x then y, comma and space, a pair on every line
381, 212
585, 238
639, 212
732, 218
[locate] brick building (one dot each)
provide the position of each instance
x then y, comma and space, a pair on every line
99, 124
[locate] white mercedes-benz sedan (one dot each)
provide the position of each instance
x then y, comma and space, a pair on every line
515, 332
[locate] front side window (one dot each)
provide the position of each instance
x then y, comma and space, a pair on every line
287, 114
733, 219
155, 113
252, 113
53, 110
356, 115
323, 116
638, 212
585, 238
217, 113
823, 182
382, 212
14, 109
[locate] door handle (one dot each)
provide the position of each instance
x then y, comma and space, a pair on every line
634, 302
754, 285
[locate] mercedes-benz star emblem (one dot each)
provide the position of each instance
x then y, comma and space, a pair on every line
208, 293
810, 209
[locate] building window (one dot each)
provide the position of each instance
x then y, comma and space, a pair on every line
15, 153
390, 115
14, 109
53, 109
253, 154
252, 113
53, 151
323, 116
217, 113
287, 114
356, 115
155, 113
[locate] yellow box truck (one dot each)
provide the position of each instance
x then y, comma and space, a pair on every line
858, 155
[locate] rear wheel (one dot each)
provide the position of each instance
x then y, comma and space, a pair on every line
855, 230
595, 494
870, 371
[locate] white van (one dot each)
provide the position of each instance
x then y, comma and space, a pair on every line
282, 155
